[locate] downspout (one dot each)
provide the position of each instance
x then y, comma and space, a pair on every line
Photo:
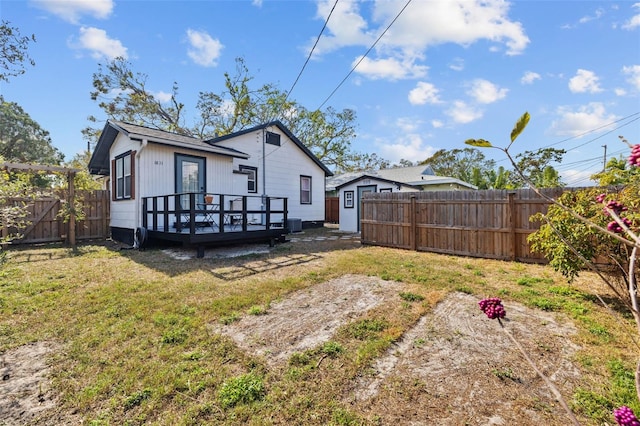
143, 145
264, 176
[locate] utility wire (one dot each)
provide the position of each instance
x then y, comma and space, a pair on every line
324, 26
597, 128
364, 56
636, 115
311, 52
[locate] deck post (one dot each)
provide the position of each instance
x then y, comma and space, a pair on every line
144, 212
244, 213
268, 211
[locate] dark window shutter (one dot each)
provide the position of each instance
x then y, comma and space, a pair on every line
133, 175
113, 179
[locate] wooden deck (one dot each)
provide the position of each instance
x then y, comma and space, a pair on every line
220, 219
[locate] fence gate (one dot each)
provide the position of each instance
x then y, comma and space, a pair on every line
45, 224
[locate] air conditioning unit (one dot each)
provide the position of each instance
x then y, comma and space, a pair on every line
294, 225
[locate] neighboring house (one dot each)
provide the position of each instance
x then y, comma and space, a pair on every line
349, 187
264, 161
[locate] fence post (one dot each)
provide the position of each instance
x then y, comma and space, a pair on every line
413, 225
512, 225
71, 235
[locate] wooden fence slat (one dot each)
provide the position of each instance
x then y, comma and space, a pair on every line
491, 224
46, 226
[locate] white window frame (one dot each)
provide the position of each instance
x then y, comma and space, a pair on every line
305, 189
348, 199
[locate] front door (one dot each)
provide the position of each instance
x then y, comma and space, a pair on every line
363, 190
190, 177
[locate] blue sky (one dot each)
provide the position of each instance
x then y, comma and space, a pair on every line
443, 72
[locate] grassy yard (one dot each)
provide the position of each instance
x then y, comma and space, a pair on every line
135, 344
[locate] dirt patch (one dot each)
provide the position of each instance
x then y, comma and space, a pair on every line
455, 366
25, 391
309, 317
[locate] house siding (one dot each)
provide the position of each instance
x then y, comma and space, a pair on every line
123, 212
155, 175
349, 216
284, 166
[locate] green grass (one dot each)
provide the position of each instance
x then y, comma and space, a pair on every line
138, 348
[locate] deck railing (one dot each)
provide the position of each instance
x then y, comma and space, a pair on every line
219, 212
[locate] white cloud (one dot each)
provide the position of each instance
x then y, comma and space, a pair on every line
634, 21
424, 93
409, 146
345, 28
73, 10
529, 77
422, 25
457, 64
597, 15
408, 125
162, 97
437, 124
619, 91
584, 119
463, 113
99, 44
257, 3
633, 71
585, 81
485, 92
463, 22
204, 50
390, 68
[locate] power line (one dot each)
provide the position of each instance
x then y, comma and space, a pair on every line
591, 131
364, 56
596, 129
324, 26
311, 52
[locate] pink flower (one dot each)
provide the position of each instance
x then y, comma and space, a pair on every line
625, 417
634, 158
492, 307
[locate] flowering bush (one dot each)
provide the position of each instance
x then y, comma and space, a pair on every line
625, 417
575, 232
492, 307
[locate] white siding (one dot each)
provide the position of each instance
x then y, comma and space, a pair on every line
349, 216
284, 166
123, 212
155, 175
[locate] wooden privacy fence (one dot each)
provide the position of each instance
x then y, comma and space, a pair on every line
489, 224
332, 209
44, 224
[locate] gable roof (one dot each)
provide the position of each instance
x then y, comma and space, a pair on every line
416, 176
378, 179
284, 130
100, 164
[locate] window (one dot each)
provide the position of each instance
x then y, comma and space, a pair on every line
123, 173
386, 189
252, 174
305, 189
348, 199
273, 138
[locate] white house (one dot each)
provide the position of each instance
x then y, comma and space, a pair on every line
351, 186
264, 161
